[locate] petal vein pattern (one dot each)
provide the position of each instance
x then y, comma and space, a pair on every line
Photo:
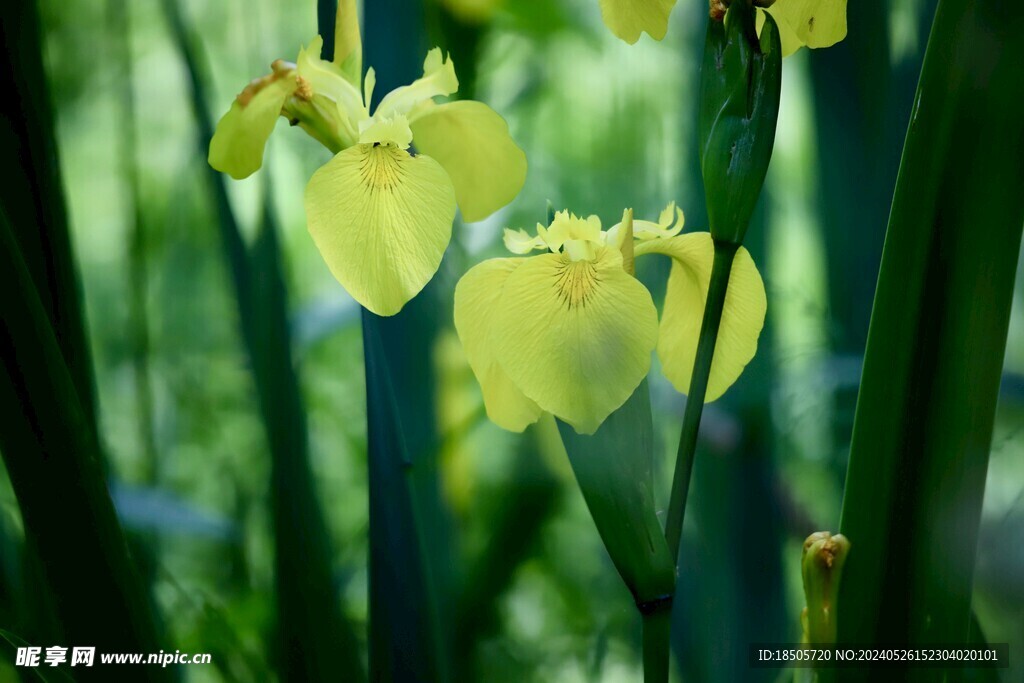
477, 310
382, 219
576, 336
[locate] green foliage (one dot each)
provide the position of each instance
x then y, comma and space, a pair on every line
523, 587
932, 368
315, 642
741, 81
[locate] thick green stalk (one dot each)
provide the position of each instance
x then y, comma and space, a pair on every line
410, 532
925, 414
725, 252
656, 625
315, 640
405, 630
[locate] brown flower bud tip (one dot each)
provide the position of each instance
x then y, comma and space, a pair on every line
717, 9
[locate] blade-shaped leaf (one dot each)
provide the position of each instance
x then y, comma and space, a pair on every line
614, 469
938, 334
52, 454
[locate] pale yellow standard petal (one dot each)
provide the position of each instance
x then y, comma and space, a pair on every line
438, 79
629, 18
382, 220
742, 318
328, 79
241, 135
814, 23
575, 336
472, 142
477, 299
348, 43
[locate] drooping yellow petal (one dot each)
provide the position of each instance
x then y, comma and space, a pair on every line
382, 220
241, 135
348, 43
472, 142
814, 23
575, 336
742, 318
629, 18
477, 299
438, 80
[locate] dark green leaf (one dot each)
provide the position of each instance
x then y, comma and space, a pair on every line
614, 469
938, 334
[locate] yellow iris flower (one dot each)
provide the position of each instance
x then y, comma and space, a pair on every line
570, 331
814, 23
380, 216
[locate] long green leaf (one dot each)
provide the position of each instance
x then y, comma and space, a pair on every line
938, 334
614, 468
405, 629
32, 196
315, 641
52, 455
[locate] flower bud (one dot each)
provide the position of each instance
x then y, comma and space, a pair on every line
822, 568
739, 107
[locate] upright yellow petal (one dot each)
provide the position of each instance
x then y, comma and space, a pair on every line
629, 18
814, 23
241, 135
472, 142
348, 43
327, 79
742, 318
438, 79
382, 220
477, 298
575, 336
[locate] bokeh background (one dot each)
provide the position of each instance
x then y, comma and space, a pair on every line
531, 593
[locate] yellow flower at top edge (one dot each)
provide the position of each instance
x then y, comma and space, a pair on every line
380, 215
570, 331
814, 23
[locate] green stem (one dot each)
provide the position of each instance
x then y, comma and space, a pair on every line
656, 643
725, 252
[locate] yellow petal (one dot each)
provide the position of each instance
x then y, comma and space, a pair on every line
629, 18
348, 44
477, 298
472, 142
814, 23
241, 135
394, 129
438, 79
327, 79
575, 336
382, 220
742, 318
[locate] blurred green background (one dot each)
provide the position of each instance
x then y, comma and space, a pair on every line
604, 125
